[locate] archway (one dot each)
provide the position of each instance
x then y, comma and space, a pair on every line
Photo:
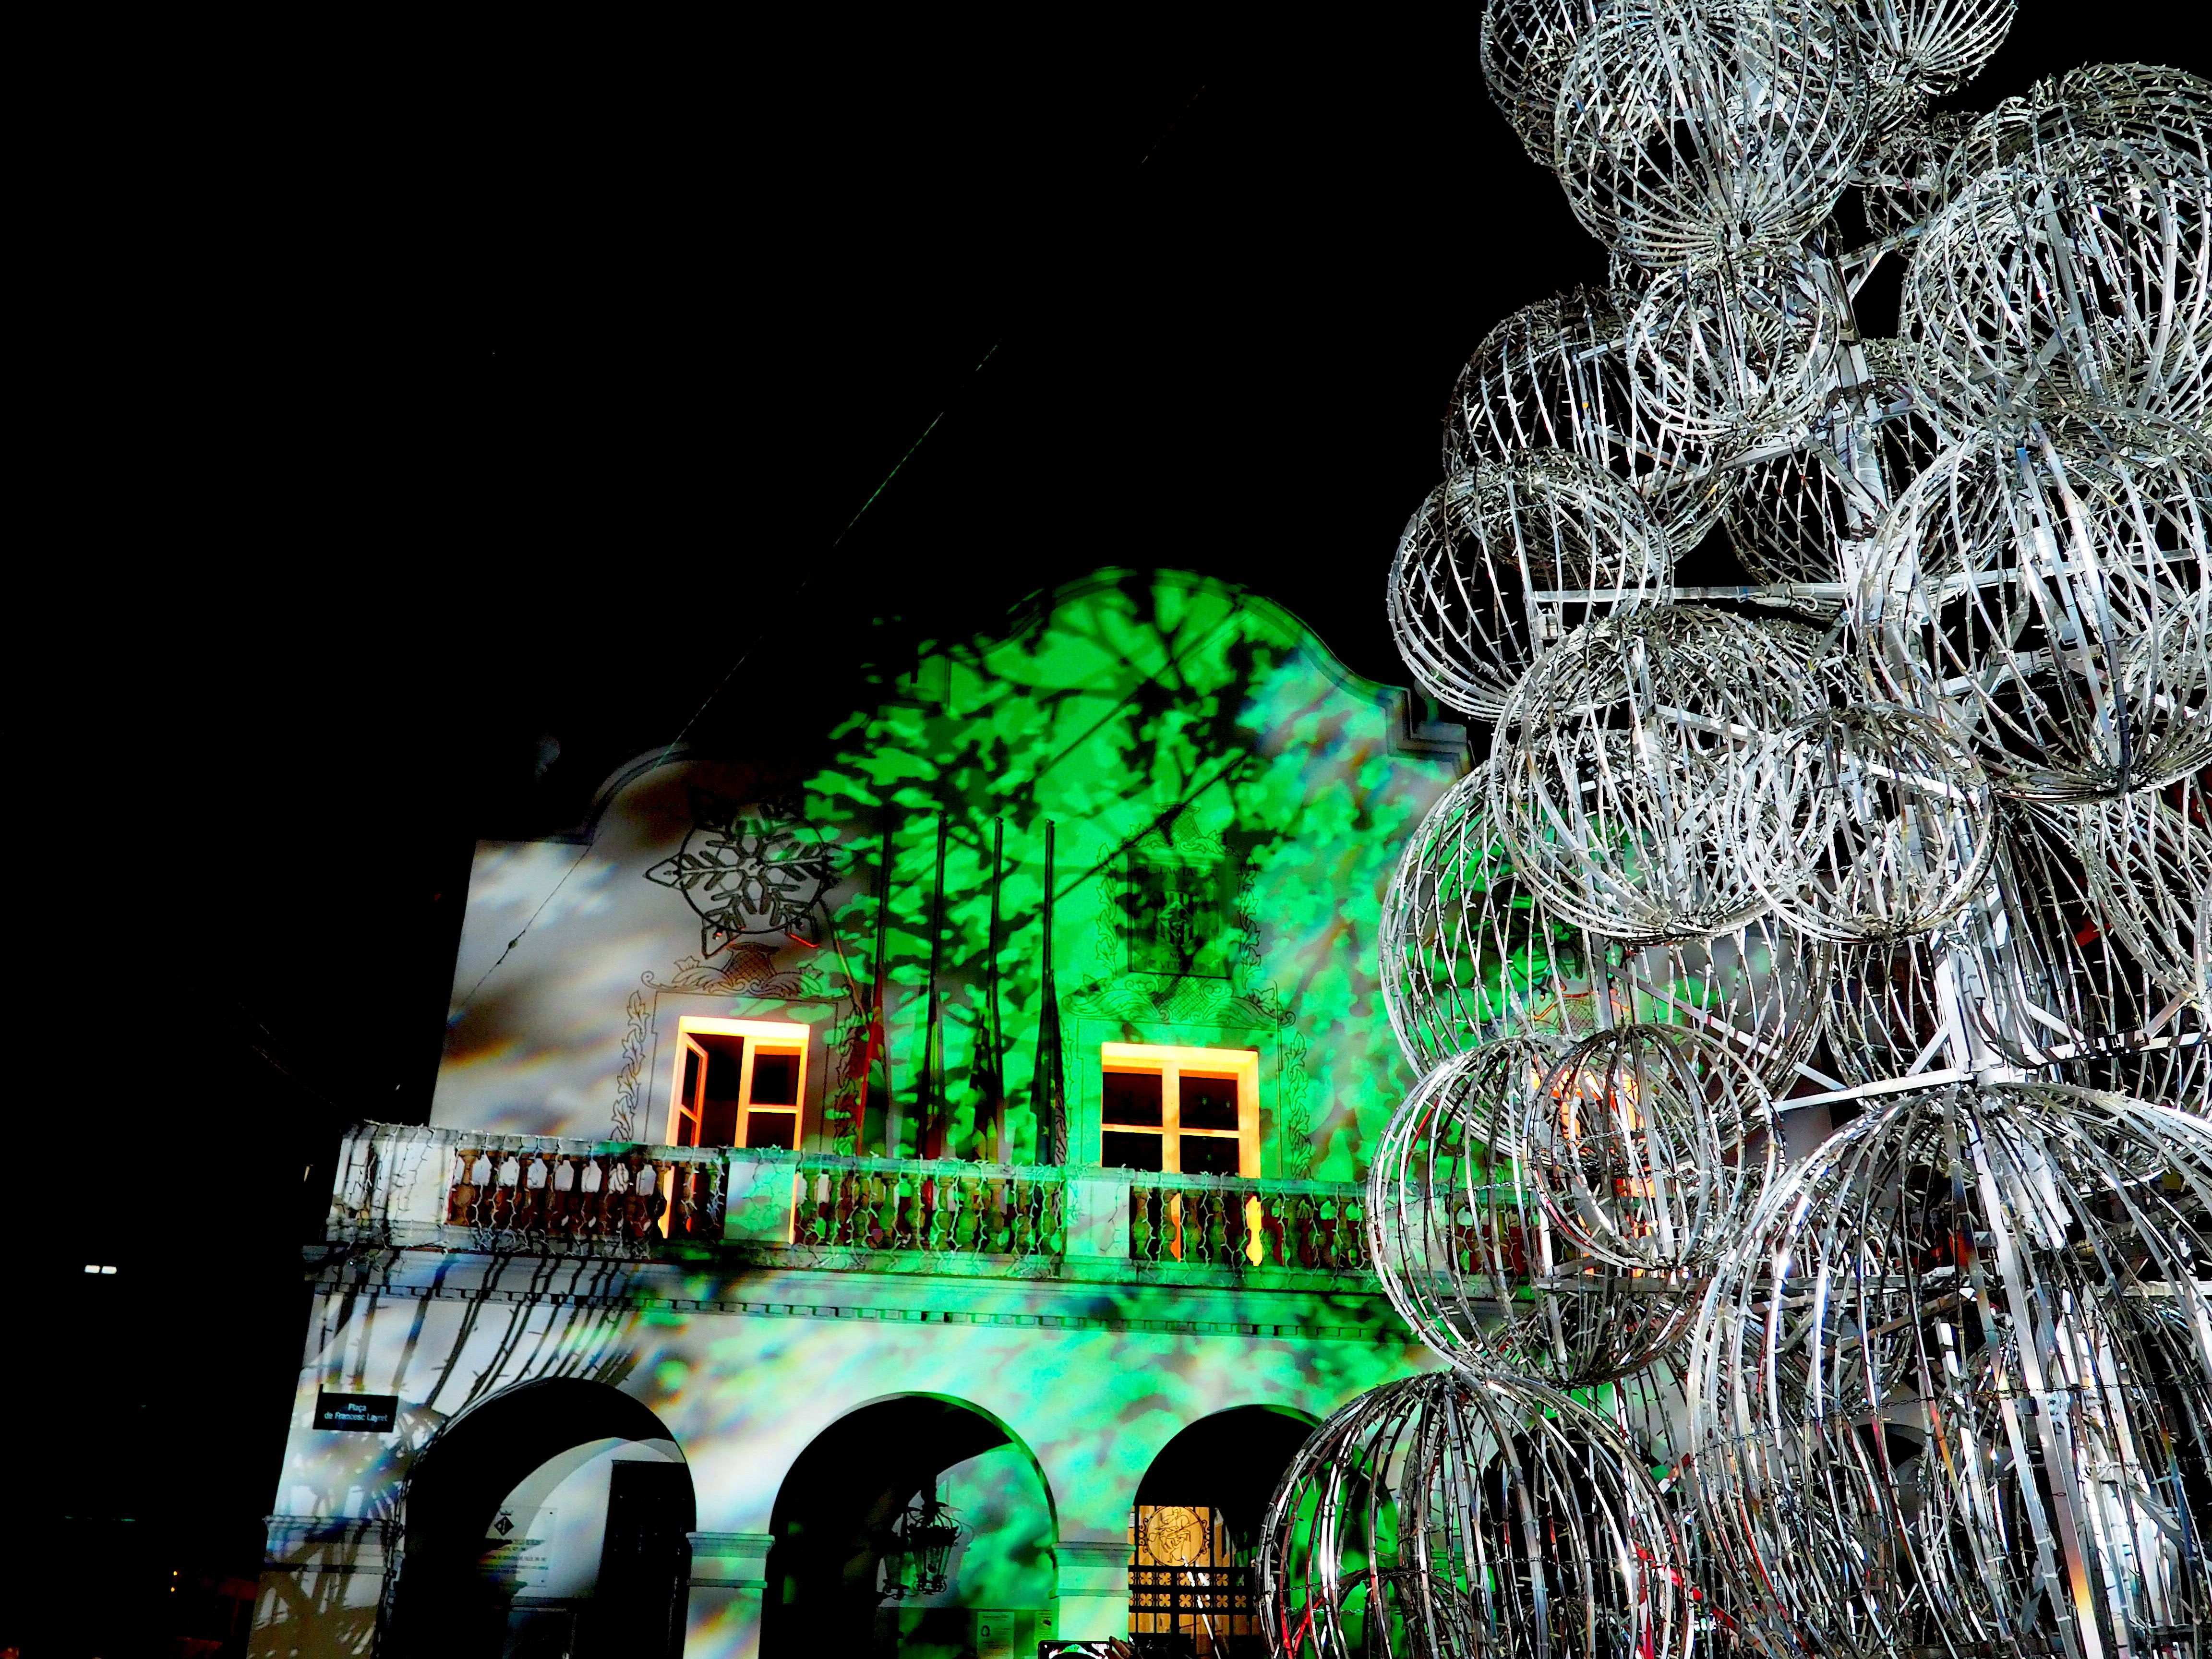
839, 1579
550, 1518
1196, 1527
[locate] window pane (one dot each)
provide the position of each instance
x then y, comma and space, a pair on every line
1132, 1097
718, 1123
776, 1079
1209, 1155
1208, 1102
772, 1129
1127, 1151
724, 1060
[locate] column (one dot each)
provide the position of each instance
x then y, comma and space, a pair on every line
729, 1577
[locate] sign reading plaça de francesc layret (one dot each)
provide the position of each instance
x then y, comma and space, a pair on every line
372, 1413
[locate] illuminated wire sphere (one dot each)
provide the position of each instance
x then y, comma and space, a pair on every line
1525, 47
1791, 511
2148, 857
2041, 981
2086, 279
1613, 785
1500, 562
1901, 176
1944, 1398
1467, 956
1448, 1515
2162, 116
1868, 823
1648, 1146
2055, 606
1721, 355
1688, 132
1917, 50
2061, 991
1553, 375
1467, 1253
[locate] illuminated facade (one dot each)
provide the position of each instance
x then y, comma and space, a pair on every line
756, 1286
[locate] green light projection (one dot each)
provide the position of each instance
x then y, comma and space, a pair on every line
1228, 804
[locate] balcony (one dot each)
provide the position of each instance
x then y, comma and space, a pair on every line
405, 1187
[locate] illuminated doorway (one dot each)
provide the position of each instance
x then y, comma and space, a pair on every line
1194, 1533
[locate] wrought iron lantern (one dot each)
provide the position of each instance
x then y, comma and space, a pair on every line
917, 1553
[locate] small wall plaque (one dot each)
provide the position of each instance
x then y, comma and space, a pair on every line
369, 1413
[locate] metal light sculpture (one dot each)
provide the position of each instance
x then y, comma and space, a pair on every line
1958, 1395
1469, 1256
1468, 955
2054, 604
1614, 791
2082, 278
1867, 823
1502, 561
2162, 115
1451, 1515
1648, 1146
1792, 510
1554, 375
2148, 857
1917, 50
1933, 843
1687, 131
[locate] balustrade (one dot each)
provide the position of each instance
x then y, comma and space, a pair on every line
1225, 1222
525, 1191
409, 1185
936, 1207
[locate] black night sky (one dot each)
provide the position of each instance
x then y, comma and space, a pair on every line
467, 424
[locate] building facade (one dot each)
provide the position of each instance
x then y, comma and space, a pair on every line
914, 1211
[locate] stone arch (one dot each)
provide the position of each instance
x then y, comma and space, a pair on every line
835, 1504
1195, 1524
444, 1604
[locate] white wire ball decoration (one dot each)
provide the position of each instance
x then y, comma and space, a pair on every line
2071, 635
1648, 1146
1525, 47
1917, 50
1614, 784
1944, 1400
1554, 374
1792, 510
1448, 1515
2162, 116
1721, 356
2041, 983
2148, 859
1687, 131
1468, 1254
2084, 280
1901, 178
2058, 990
1499, 563
1467, 956
1866, 824
1883, 1017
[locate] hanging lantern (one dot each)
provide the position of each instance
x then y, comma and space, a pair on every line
919, 1550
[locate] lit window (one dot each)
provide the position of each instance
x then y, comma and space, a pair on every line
738, 1083
1180, 1111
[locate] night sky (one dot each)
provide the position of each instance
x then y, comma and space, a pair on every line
484, 423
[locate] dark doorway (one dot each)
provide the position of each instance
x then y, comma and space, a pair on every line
833, 1525
444, 1608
